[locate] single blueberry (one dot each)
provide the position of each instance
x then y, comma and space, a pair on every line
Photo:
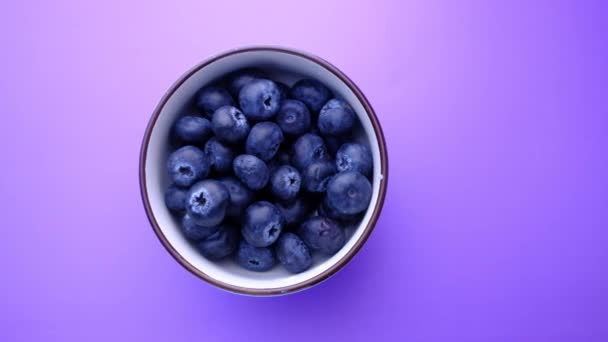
285, 183
354, 157
264, 140
293, 118
294, 212
239, 79
260, 99
283, 89
194, 231
207, 202
229, 125
210, 98
293, 253
175, 199
221, 244
322, 234
251, 170
240, 196
262, 224
186, 165
220, 156
191, 130
336, 118
308, 149
313, 93
349, 193
257, 259
327, 211
316, 175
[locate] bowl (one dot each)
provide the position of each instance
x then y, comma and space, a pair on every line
285, 65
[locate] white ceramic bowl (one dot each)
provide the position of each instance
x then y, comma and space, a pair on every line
284, 65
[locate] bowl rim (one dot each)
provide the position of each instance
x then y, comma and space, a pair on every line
333, 268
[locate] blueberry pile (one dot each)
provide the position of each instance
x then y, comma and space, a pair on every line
267, 173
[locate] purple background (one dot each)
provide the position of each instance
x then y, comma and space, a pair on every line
495, 226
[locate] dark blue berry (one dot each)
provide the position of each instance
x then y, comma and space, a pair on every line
251, 170
354, 157
294, 212
211, 98
312, 93
327, 211
240, 196
194, 231
191, 130
229, 125
336, 118
262, 224
257, 259
308, 149
220, 156
349, 193
285, 183
207, 202
186, 165
293, 118
264, 140
322, 234
175, 199
260, 99
293, 253
316, 175
221, 244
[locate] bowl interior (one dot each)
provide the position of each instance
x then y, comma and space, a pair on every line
282, 66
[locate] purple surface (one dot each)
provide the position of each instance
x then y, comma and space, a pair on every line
495, 226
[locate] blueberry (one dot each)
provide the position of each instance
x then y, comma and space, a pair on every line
293, 117
349, 193
251, 170
221, 244
264, 140
207, 202
194, 231
327, 211
186, 165
322, 234
257, 259
175, 199
220, 156
336, 118
312, 93
294, 212
191, 130
211, 98
293, 253
242, 77
229, 125
354, 157
316, 175
308, 149
262, 224
240, 196
283, 89
260, 99
285, 183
